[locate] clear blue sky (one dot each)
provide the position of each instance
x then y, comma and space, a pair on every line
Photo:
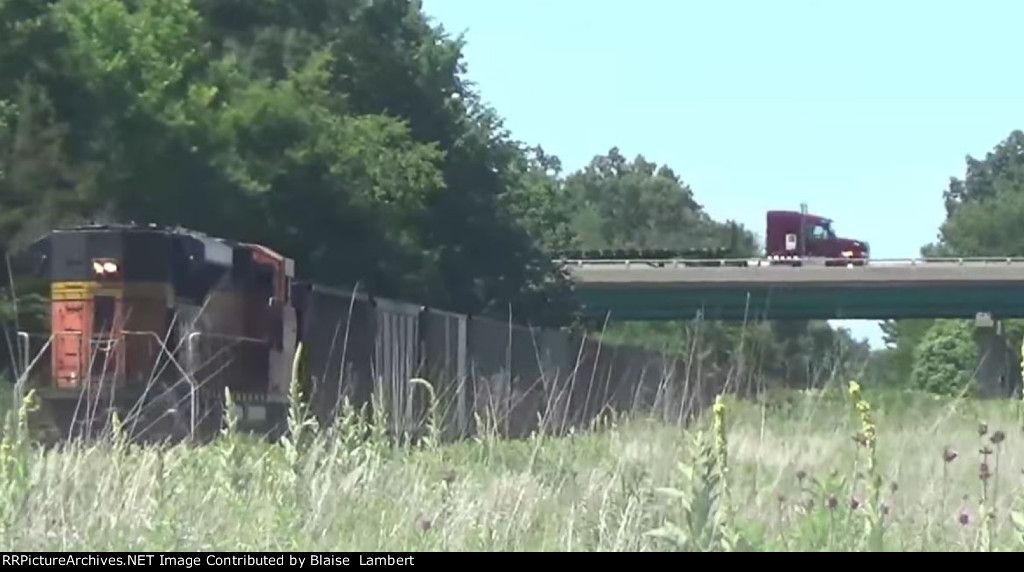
861, 109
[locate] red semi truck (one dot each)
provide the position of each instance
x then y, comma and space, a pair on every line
793, 235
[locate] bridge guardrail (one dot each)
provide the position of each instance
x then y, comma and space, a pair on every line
758, 262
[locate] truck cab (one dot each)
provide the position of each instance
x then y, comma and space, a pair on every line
793, 235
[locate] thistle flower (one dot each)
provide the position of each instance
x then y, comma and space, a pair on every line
997, 437
948, 454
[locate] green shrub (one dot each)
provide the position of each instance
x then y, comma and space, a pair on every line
945, 359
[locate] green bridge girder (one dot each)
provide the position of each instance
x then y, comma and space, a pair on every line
801, 303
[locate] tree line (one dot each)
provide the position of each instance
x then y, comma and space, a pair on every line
984, 212
347, 135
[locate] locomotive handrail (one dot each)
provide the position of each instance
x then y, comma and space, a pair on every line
190, 348
193, 384
189, 378
24, 339
103, 344
163, 349
23, 377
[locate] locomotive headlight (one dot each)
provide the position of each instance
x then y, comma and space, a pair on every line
104, 268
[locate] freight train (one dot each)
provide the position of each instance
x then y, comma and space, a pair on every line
154, 324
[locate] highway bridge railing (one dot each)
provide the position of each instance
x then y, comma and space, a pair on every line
782, 261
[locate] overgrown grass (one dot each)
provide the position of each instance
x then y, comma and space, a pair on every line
797, 479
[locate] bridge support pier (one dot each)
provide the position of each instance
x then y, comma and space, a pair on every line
998, 371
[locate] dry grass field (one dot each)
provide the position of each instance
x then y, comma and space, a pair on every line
792, 472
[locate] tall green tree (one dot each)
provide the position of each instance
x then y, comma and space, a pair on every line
388, 59
901, 338
984, 209
619, 203
984, 214
1002, 166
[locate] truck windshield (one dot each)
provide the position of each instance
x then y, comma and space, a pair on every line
827, 227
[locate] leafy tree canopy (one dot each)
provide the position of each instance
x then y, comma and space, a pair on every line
984, 215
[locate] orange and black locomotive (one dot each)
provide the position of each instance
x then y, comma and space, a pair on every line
154, 324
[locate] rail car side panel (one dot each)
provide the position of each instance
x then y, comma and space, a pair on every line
281, 354
396, 363
444, 365
337, 348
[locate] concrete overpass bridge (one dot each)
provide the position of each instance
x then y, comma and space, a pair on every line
986, 290
730, 289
